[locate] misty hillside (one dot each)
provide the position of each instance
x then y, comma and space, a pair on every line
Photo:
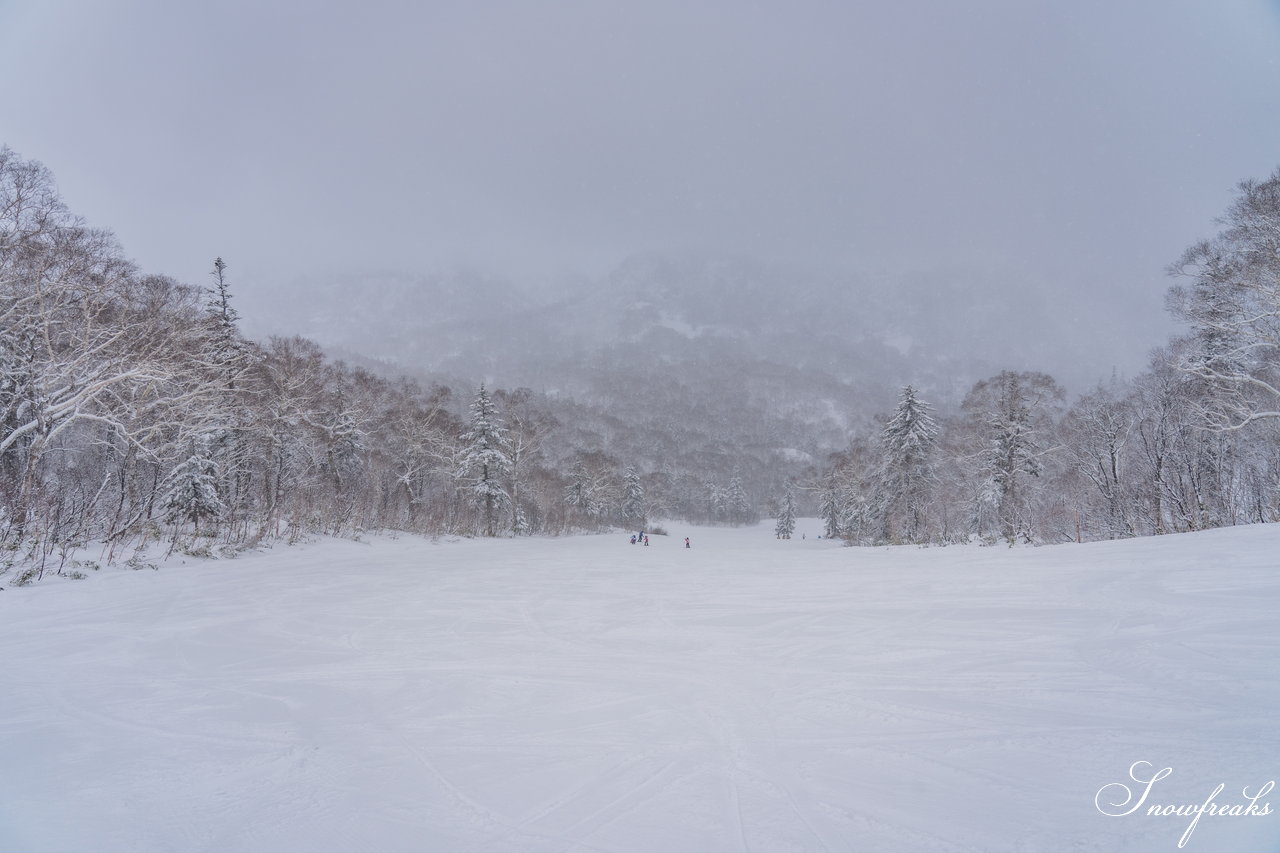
826, 349
701, 349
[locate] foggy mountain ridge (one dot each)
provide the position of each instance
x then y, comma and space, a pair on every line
695, 363
860, 336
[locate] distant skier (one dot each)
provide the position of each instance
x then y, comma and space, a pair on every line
686, 541
646, 540
633, 539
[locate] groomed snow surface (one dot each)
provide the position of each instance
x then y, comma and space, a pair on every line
584, 694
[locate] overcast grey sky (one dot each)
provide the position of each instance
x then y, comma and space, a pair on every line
1080, 145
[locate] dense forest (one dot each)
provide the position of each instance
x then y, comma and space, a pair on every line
136, 413
1192, 442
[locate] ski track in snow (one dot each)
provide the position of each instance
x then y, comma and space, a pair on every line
748, 695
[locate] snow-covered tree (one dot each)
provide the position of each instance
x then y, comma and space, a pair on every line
857, 518
1233, 307
519, 522
225, 349
632, 509
1095, 434
190, 492
846, 509
228, 357
1012, 416
717, 501
786, 515
908, 440
486, 459
737, 504
527, 430
592, 493
94, 355
343, 440
830, 510
578, 494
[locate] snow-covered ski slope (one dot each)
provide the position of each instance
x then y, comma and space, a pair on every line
584, 694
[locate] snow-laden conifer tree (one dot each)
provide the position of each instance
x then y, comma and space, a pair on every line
632, 509
227, 357
856, 515
519, 522
786, 515
486, 458
716, 501
737, 503
831, 511
190, 492
909, 439
225, 350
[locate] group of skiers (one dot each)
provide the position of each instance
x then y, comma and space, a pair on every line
643, 539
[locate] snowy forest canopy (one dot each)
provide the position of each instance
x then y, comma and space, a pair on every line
135, 410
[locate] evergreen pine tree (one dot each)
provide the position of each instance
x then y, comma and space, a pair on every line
190, 492
1011, 452
225, 350
228, 356
520, 524
786, 516
486, 458
855, 515
738, 505
831, 511
909, 440
717, 503
632, 510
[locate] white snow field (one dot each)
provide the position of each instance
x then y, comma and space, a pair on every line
584, 694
